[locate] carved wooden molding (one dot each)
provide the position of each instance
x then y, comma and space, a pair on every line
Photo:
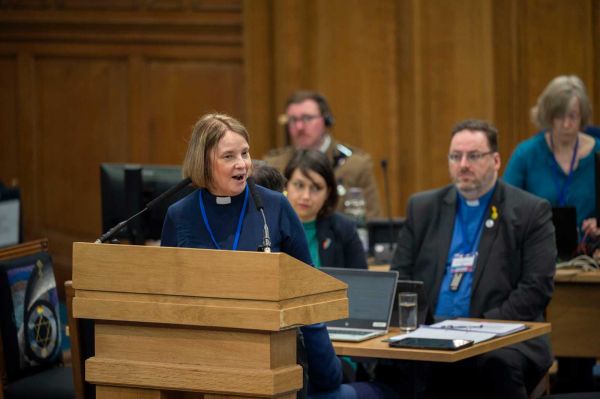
189, 27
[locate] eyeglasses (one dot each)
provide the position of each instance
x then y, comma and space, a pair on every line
304, 118
299, 186
472, 157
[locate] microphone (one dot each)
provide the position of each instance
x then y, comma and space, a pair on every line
266, 241
150, 205
387, 250
173, 190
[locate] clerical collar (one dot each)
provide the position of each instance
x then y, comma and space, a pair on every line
484, 199
219, 200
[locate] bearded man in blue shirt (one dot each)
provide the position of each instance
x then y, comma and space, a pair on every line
484, 249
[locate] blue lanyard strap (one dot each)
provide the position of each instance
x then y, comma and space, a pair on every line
239, 226
562, 191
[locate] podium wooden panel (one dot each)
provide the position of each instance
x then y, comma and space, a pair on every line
179, 319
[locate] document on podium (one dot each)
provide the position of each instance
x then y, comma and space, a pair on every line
463, 329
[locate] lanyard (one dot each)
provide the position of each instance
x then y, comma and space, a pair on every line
239, 226
562, 191
473, 242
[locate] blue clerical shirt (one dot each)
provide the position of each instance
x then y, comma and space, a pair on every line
457, 303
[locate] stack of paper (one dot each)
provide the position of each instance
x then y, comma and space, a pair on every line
463, 329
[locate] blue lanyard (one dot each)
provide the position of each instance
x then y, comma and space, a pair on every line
562, 191
239, 226
473, 242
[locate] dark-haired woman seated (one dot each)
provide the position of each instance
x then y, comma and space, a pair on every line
311, 189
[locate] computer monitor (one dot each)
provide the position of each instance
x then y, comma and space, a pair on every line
597, 184
127, 188
383, 235
10, 216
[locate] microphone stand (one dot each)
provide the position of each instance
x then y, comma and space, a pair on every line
113, 231
389, 251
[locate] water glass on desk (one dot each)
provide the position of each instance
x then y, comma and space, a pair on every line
407, 301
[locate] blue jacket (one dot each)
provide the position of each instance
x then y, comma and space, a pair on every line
339, 244
185, 227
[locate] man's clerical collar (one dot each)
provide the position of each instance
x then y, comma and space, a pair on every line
477, 201
471, 203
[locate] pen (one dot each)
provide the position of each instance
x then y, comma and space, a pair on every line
458, 327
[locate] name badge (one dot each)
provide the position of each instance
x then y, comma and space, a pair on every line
463, 263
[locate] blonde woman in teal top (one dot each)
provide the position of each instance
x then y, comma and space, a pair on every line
558, 163
311, 189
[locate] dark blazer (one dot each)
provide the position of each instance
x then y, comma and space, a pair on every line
339, 244
514, 275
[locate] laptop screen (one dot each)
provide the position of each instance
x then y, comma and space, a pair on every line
565, 225
370, 296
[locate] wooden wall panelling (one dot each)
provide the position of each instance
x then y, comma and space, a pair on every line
293, 25
108, 86
83, 108
452, 66
410, 101
9, 154
259, 102
510, 105
178, 92
355, 65
346, 50
26, 125
558, 39
81, 121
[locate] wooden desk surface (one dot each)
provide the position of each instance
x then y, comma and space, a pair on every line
575, 314
378, 349
575, 276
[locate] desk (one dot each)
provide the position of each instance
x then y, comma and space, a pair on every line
378, 349
575, 314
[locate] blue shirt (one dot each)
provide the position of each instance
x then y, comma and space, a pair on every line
533, 168
457, 303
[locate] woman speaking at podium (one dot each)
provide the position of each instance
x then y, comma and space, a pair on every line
222, 214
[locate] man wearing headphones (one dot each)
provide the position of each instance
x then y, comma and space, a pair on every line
307, 119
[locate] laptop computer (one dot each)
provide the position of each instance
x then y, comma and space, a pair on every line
565, 226
370, 296
424, 314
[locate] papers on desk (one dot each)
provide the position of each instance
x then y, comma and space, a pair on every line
463, 329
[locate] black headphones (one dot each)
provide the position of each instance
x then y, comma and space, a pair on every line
324, 108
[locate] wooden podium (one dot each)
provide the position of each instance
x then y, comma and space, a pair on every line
176, 320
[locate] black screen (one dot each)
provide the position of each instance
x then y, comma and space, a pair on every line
565, 230
383, 231
370, 296
597, 183
127, 188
